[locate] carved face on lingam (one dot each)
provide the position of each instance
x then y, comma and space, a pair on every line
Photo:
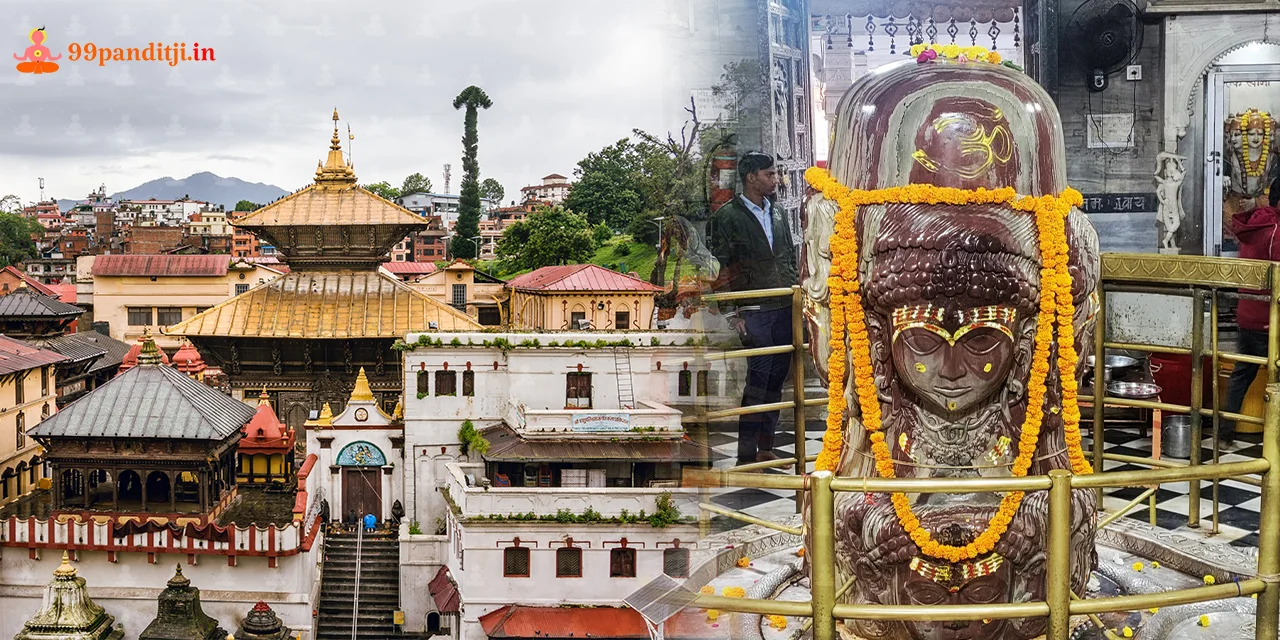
952, 285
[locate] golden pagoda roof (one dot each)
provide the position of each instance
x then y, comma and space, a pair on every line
337, 304
334, 199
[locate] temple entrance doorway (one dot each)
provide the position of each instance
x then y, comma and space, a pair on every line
362, 492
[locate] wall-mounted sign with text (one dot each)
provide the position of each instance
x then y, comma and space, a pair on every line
600, 422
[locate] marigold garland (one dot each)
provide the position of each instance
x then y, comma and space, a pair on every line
848, 324
1255, 169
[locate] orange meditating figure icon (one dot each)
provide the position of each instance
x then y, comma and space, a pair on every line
37, 58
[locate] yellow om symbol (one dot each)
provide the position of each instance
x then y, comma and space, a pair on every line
979, 150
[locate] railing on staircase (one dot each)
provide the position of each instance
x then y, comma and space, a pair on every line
355, 597
626, 389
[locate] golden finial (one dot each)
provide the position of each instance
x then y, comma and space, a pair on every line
362, 392
65, 570
335, 172
263, 398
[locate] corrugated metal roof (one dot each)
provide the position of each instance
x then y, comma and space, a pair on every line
326, 304
506, 444
517, 621
401, 268
64, 292
149, 401
16, 355
161, 265
71, 345
316, 205
27, 303
579, 277
116, 350
444, 592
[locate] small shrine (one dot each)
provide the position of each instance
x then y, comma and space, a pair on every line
179, 615
67, 612
355, 449
266, 450
188, 360
150, 441
262, 624
131, 358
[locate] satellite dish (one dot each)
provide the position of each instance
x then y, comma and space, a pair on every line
1105, 36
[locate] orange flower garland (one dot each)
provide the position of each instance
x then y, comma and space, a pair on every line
848, 322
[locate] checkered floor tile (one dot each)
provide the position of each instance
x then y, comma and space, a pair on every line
1238, 502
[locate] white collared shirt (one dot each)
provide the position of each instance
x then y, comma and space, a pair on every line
763, 215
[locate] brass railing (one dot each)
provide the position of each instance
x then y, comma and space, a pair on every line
1203, 279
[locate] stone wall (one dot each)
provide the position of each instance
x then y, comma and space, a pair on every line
1115, 170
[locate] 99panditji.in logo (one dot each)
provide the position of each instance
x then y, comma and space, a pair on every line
38, 58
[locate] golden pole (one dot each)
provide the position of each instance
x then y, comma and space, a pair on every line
1099, 393
1197, 401
822, 568
1273, 326
1216, 420
1058, 573
1268, 627
797, 382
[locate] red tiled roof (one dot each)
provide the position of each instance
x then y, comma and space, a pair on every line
579, 277
409, 268
19, 356
444, 592
555, 175
161, 265
36, 284
64, 292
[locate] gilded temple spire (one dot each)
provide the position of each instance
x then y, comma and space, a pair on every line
362, 392
335, 172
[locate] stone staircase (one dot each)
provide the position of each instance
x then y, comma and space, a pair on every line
379, 569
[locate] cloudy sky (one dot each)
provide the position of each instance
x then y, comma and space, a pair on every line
566, 77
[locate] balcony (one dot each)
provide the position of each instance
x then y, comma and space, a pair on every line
475, 502
649, 420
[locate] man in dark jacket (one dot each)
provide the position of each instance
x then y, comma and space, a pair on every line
1256, 232
752, 241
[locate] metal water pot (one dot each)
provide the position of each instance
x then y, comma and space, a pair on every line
1175, 434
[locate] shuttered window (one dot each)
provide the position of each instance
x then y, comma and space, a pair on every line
569, 562
675, 563
446, 383
515, 562
622, 563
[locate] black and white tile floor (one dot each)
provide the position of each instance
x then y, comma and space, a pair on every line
1239, 503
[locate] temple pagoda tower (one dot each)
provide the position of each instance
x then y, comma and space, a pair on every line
67, 613
304, 336
179, 615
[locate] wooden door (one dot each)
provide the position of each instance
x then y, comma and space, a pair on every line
361, 491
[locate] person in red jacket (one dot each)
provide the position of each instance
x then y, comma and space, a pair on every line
1256, 231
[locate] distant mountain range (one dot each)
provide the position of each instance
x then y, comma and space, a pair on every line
205, 186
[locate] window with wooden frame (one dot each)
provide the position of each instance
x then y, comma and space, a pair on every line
167, 316
684, 383
675, 562
22, 429
140, 316
446, 383
578, 390
20, 388
622, 563
703, 389
569, 562
468, 383
424, 383
621, 320
44, 381
515, 562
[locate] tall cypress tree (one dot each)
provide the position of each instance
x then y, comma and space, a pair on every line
468, 227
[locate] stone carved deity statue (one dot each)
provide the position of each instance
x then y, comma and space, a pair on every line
1169, 175
950, 295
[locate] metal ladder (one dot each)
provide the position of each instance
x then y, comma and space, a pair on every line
622, 363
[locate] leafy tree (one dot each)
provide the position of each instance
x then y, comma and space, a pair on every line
492, 189
383, 189
16, 239
415, 183
245, 205
602, 233
10, 204
472, 98
550, 235
607, 188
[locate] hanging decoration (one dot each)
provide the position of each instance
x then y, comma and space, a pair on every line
973, 32
848, 30
953, 30
871, 31
891, 28
994, 32
1017, 34
913, 31
932, 31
